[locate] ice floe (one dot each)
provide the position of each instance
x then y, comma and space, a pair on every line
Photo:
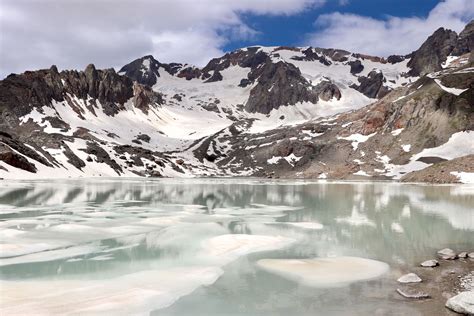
325, 272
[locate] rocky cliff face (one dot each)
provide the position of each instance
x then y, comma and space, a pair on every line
372, 85
465, 42
434, 52
79, 93
278, 84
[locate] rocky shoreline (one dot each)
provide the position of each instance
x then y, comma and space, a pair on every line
442, 286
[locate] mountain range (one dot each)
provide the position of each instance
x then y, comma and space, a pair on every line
274, 112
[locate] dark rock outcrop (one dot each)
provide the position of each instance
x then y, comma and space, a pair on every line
394, 59
250, 57
102, 156
278, 84
356, 67
311, 55
190, 73
429, 57
338, 55
465, 43
144, 137
372, 86
143, 70
144, 96
146, 69
327, 90
216, 76
14, 159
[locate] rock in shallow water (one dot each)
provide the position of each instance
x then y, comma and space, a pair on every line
430, 263
412, 293
409, 278
462, 254
325, 272
447, 254
462, 303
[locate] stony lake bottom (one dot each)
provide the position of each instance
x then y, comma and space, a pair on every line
220, 246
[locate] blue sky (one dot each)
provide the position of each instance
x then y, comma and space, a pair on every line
292, 30
71, 35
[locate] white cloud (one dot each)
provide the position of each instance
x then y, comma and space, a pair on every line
393, 35
109, 33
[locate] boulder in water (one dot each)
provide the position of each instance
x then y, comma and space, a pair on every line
430, 263
409, 278
462, 303
447, 254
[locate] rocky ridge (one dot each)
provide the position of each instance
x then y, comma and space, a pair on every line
260, 111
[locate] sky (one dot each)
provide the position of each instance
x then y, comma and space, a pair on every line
35, 34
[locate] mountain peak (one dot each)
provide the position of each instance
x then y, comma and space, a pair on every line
433, 52
143, 70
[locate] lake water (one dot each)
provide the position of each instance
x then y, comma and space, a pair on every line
204, 247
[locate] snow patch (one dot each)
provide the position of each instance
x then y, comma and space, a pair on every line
357, 139
464, 177
454, 91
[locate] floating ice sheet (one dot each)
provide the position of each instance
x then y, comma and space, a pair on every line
325, 272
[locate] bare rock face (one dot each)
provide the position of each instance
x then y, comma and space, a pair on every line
250, 57
15, 160
145, 70
465, 42
372, 86
429, 57
356, 67
144, 96
393, 59
339, 55
102, 156
190, 73
216, 76
311, 55
327, 91
278, 84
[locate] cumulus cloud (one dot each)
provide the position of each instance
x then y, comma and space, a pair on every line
393, 35
73, 33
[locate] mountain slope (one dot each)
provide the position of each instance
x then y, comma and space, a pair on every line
263, 111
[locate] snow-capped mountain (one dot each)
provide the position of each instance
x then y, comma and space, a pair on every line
261, 111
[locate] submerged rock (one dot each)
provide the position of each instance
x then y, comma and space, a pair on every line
412, 293
462, 303
409, 278
430, 263
447, 254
